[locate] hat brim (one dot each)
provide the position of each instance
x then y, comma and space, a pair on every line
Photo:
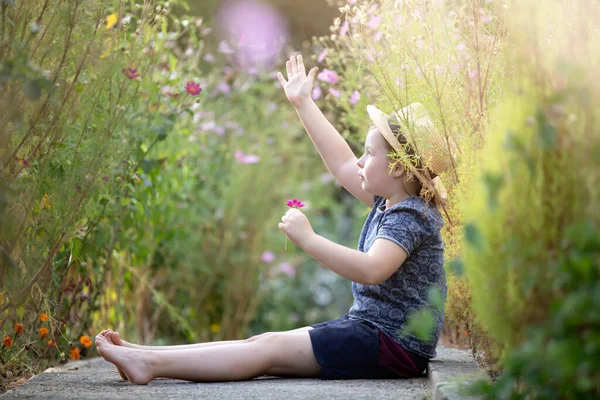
380, 120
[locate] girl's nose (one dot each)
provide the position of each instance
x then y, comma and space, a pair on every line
359, 162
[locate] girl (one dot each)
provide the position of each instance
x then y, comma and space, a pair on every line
399, 257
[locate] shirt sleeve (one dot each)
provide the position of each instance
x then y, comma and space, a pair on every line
406, 228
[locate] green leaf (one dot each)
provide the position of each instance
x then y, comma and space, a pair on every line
514, 144
436, 299
421, 324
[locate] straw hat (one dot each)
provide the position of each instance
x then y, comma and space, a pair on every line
418, 129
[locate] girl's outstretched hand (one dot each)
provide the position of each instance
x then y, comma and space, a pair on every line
296, 226
298, 87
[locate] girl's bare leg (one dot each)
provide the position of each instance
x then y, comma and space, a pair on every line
280, 353
114, 338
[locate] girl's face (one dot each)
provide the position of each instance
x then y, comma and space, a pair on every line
374, 167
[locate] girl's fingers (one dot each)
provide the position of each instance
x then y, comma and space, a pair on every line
294, 66
281, 79
301, 68
312, 73
288, 67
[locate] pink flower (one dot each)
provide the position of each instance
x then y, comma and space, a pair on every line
328, 76
268, 256
295, 203
334, 92
131, 73
399, 82
316, 93
193, 88
244, 158
287, 269
374, 21
355, 97
322, 56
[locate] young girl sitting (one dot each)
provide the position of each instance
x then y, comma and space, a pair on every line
399, 258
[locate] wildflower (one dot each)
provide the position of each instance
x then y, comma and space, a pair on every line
316, 93
7, 342
131, 73
51, 343
215, 327
287, 269
43, 332
45, 203
224, 87
75, 354
244, 158
399, 82
322, 55
208, 57
344, 28
294, 203
193, 88
18, 328
374, 21
267, 256
355, 97
111, 20
334, 92
328, 76
44, 316
85, 341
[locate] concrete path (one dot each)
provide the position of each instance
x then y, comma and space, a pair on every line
98, 379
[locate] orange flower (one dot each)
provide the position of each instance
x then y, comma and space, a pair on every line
51, 343
18, 328
86, 341
43, 317
43, 332
7, 341
74, 354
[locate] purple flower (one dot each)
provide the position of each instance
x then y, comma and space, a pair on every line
344, 28
316, 93
131, 73
328, 76
322, 55
287, 269
268, 256
193, 88
334, 92
374, 21
208, 57
399, 82
223, 87
355, 97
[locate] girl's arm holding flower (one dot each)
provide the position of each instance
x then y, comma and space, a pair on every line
382, 260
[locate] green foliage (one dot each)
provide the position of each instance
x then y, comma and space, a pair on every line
560, 358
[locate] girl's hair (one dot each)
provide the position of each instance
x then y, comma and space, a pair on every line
408, 149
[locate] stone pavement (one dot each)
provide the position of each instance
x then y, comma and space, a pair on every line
98, 379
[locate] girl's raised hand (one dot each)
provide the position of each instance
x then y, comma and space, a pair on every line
298, 87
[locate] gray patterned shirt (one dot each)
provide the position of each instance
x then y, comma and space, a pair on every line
414, 226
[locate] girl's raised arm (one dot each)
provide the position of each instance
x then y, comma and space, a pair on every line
333, 149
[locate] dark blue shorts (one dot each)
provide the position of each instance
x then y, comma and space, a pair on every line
354, 349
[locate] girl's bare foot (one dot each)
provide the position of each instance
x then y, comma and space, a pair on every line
134, 363
114, 338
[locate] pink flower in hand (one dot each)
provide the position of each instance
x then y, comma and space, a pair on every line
131, 73
193, 88
295, 203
